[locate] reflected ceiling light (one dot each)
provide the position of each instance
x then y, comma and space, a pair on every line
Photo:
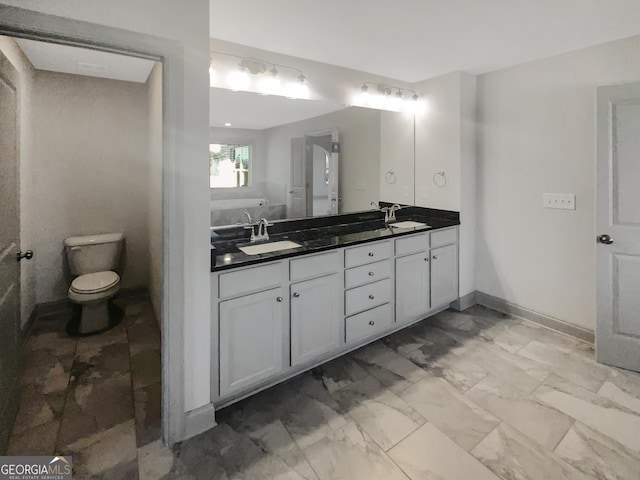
227, 124
264, 77
388, 97
212, 75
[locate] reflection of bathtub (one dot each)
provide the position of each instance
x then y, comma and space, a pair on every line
232, 211
237, 203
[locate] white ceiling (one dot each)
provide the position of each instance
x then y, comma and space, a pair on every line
257, 112
83, 61
413, 40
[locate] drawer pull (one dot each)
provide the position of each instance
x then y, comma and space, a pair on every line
371, 297
372, 323
371, 274
296, 294
279, 299
371, 254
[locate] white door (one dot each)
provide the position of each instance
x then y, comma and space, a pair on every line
444, 275
412, 286
252, 329
297, 197
315, 318
618, 226
9, 236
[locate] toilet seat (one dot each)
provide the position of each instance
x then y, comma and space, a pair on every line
94, 282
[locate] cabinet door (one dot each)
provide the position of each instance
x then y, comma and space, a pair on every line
252, 329
315, 318
412, 286
444, 275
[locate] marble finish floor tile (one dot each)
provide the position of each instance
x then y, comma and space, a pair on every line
598, 456
623, 387
77, 394
379, 412
349, 453
460, 419
428, 454
564, 362
511, 455
516, 407
599, 413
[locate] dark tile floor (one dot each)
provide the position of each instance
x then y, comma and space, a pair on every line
97, 398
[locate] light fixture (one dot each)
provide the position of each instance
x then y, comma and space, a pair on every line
239, 79
388, 97
298, 88
270, 83
263, 77
227, 124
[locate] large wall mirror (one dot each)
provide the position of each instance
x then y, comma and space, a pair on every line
277, 158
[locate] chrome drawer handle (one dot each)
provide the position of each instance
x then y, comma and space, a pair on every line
371, 254
371, 322
279, 299
371, 297
296, 294
371, 274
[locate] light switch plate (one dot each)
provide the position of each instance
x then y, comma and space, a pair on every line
564, 201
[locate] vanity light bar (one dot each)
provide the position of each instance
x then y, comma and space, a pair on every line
388, 97
268, 81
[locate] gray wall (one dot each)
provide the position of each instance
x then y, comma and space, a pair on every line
89, 173
536, 134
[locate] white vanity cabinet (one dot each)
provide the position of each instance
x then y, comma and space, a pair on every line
315, 294
252, 332
274, 320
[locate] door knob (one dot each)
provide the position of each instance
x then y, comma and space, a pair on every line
28, 255
606, 239
279, 299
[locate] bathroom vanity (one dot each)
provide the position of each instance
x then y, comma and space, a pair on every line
352, 280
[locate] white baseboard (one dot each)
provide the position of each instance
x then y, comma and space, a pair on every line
199, 420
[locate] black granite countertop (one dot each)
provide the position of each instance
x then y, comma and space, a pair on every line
320, 233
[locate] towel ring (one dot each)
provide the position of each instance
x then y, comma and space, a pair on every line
390, 176
440, 179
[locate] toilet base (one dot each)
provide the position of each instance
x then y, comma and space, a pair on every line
90, 319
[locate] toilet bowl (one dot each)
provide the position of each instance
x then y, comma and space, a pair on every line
93, 258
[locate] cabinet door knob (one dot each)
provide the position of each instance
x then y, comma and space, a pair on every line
371, 254
426, 259
371, 274
371, 322
279, 299
435, 257
371, 297
296, 294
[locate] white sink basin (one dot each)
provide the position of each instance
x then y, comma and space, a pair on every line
407, 224
269, 247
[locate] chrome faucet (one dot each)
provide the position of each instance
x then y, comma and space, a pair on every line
392, 212
375, 205
262, 230
249, 220
250, 225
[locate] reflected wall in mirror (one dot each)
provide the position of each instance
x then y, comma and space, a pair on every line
279, 158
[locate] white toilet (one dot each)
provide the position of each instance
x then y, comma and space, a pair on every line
94, 258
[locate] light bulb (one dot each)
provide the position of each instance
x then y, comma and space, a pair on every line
239, 80
270, 83
298, 89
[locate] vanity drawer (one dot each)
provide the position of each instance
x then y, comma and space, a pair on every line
412, 244
367, 296
443, 237
371, 252
367, 273
315, 265
368, 323
251, 279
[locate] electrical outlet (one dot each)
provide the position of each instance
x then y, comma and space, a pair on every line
564, 201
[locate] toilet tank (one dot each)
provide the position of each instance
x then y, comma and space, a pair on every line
93, 253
